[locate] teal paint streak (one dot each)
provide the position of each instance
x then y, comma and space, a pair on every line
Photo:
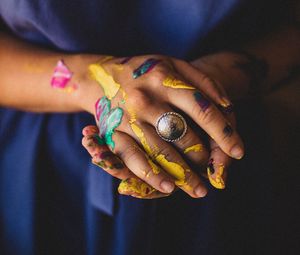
109, 120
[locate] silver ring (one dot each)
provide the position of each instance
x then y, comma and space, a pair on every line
171, 126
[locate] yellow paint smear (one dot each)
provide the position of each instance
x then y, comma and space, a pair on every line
140, 134
154, 167
119, 67
174, 169
106, 81
175, 83
195, 148
132, 114
217, 182
135, 186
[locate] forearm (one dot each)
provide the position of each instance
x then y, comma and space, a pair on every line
26, 72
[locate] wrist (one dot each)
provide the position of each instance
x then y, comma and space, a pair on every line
88, 90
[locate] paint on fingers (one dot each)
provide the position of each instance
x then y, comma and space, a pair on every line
228, 131
135, 187
201, 101
215, 174
108, 160
174, 169
175, 83
194, 148
155, 169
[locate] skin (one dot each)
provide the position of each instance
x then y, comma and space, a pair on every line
214, 76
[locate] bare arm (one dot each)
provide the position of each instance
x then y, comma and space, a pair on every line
25, 75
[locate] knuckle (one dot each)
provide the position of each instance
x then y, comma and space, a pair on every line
163, 150
158, 74
116, 173
85, 140
227, 142
129, 153
187, 140
207, 116
206, 80
189, 179
139, 98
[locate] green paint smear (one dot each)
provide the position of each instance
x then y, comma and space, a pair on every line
113, 120
99, 140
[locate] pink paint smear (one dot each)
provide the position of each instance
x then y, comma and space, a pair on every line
61, 76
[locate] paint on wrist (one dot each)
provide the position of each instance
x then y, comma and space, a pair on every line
201, 101
61, 78
144, 68
108, 119
215, 175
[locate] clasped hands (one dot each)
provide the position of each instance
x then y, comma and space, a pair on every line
125, 142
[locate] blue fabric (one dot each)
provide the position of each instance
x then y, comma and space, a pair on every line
116, 27
53, 200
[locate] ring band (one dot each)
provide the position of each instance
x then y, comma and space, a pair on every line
171, 126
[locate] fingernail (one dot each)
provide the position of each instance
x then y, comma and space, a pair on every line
237, 152
167, 186
225, 102
200, 191
225, 106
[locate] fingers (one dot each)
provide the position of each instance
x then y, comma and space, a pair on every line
131, 185
140, 164
217, 166
90, 130
210, 119
137, 188
190, 145
203, 82
223, 134
170, 161
102, 156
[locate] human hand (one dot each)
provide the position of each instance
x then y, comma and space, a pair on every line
133, 104
231, 73
103, 157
